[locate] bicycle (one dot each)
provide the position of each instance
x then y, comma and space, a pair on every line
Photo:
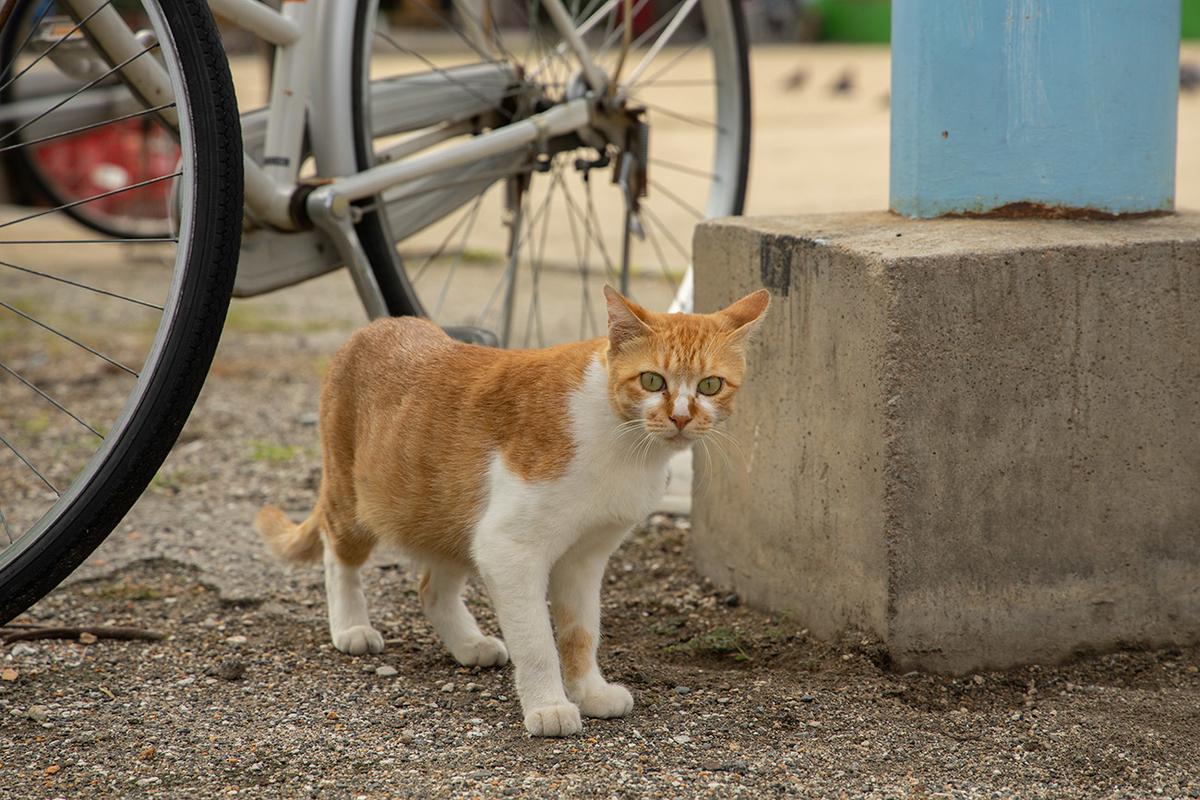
393, 159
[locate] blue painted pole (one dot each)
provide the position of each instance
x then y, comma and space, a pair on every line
1053, 107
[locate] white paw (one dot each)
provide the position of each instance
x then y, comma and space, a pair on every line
560, 720
358, 639
482, 651
614, 700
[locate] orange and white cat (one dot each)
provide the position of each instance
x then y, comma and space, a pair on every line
527, 467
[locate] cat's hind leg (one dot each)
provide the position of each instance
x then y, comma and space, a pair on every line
349, 624
575, 606
441, 589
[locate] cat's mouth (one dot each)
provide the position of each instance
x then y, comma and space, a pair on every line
681, 440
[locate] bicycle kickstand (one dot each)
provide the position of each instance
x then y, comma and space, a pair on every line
336, 215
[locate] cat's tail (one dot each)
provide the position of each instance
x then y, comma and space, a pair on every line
291, 542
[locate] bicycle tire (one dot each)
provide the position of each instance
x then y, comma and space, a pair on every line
393, 273
193, 313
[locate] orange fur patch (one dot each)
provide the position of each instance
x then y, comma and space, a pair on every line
576, 651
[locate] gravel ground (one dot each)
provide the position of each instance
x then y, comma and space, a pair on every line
243, 695
250, 699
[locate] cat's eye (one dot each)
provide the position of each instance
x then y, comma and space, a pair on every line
709, 386
653, 382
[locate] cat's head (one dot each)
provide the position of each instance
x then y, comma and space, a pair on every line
677, 374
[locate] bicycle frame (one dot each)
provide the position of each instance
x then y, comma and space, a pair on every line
318, 32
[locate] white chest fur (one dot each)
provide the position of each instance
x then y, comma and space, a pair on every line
619, 470
615, 477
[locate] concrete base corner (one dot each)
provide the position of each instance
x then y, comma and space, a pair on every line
977, 440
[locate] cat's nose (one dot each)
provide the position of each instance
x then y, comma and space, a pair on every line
680, 420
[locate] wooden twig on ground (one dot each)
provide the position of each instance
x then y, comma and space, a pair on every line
86, 634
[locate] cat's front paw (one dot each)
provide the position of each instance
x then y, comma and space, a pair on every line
482, 651
358, 640
614, 700
561, 720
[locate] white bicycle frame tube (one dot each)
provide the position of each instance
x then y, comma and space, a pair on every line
317, 33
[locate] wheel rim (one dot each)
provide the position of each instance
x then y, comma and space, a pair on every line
85, 317
536, 280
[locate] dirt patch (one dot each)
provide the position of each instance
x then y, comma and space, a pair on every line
251, 699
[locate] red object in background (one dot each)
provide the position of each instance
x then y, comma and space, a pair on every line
643, 15
100, 163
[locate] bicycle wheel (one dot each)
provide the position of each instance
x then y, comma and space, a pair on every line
104, 343
519, 245
122, 154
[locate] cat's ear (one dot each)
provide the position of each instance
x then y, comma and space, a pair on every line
626, 320
742, 317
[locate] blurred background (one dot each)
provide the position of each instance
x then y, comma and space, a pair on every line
820, 71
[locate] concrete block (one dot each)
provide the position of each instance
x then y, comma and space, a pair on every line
978, 440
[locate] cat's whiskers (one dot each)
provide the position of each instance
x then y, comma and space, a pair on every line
633, 426
644, 447
706, 475
726, 436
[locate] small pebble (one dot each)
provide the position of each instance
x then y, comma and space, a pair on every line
448, 687
230, 669
386, 672
236, 640
22, 649
39, 713
682, 690
733, 601
473, 687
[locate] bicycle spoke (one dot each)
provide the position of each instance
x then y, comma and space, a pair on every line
65, 337
444, 73
4, 523
45, 54
582, 262
32, 468
49, 399
663, 264
86, 128
20, 48
559, 51
688, 118
679, 247
77, 284
684, 168
464, 221
472, 217
679, 201
147, 240
93, 199
78, 92
667, 67
538, 263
